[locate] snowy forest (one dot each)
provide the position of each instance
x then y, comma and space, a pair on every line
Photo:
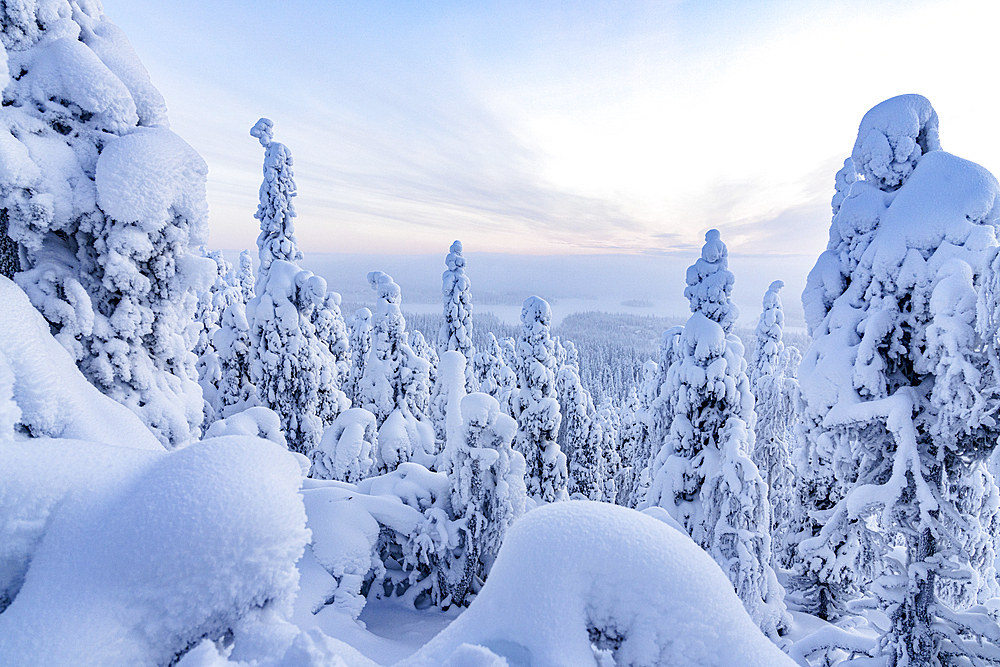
205, 461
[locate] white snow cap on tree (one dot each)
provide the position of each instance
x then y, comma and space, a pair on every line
892, 138
709, 283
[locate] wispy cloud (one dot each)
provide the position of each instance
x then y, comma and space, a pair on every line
538, 128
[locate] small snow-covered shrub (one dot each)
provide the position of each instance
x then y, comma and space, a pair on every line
347, 451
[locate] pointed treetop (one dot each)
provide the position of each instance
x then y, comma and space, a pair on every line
263, 131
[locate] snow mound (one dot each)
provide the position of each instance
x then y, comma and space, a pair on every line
143, 554
52, 394
577, 575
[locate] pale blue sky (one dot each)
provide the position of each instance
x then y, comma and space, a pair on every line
535, 127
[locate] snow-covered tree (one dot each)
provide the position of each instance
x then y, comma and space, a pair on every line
456, 331
580, 438
395, 383
101, 209
425, 351
245, 276
703, 474
536, 407
235, 390
611, 452
332, 330
576, 408
294, 371
774, 393
275, 210
212, 303
360, 347
897, 385
632, 436
487, 482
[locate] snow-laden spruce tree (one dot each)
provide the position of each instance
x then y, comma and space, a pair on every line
703, 474
656, 416
611, 448
456, 331
275, 210
394, 383
774, 393
486, 477
245, 276
580, 438
332, 330
491, 373
235, 390
898, 388
360, 347
576, 408
632, 436
294, 371
102, 208
536, 408
212, 303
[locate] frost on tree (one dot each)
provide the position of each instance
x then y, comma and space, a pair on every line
774, 393
536, 408
703, 475
487, 488
394, 383
102, 206
899, 391
293, 369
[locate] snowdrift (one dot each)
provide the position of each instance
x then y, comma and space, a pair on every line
574, 575
129, 557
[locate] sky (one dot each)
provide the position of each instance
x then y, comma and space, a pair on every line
557, 128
